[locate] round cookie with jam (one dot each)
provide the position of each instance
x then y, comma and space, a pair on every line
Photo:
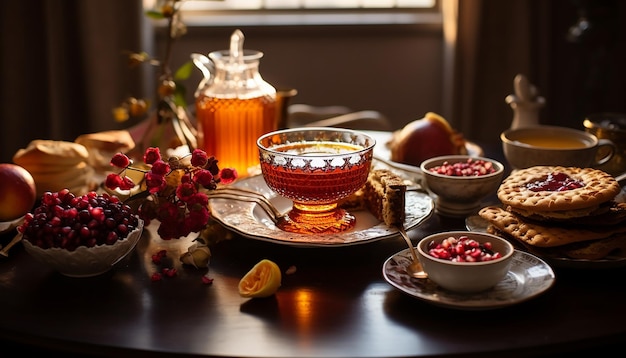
563, 192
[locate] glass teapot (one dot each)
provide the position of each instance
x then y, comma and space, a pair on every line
234, 105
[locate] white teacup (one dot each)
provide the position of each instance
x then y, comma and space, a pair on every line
552, 145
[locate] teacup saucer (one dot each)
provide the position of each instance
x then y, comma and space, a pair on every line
249, 220
528, 277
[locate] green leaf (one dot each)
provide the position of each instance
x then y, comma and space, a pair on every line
179, 95
156, 15
184, 71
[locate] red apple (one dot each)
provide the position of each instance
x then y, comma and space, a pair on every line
17, 191
425, 138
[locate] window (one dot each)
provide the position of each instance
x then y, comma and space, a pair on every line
199, 5
397, 48
309, 12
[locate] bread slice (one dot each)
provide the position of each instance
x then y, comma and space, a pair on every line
41, 152
383, 195
102, 146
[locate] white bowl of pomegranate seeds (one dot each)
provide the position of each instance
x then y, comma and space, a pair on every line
461, 182
80, 235
465, 261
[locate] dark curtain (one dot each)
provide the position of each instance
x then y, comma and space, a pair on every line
63, 68
574, 51
494, 44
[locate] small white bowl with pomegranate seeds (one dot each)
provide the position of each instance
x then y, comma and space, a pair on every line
80, 235
465, 261
461, 182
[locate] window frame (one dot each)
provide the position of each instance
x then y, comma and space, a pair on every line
303, 17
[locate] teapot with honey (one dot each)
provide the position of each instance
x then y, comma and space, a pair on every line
234, 105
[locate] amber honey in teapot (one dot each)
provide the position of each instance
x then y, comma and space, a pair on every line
234, 106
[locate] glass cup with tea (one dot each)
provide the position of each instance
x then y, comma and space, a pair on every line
316, 167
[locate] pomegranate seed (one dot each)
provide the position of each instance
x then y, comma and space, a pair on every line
98, 214
459, 249
84, 232
471, 167
112, 238
65, 220
462, 249
91, 242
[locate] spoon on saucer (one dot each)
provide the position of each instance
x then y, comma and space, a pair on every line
415, 268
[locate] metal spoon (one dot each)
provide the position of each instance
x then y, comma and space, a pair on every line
415, 268
5, 250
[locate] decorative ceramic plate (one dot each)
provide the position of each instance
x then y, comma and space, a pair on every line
528, 277
249, 220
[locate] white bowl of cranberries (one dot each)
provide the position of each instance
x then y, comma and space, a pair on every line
460, 183
80, 235
465, 261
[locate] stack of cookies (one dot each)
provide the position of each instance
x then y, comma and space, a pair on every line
57, 165
561, 211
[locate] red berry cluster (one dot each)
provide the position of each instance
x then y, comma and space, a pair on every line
175, 199
462, 249
67, 221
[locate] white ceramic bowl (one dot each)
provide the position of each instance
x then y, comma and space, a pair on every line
466, 277
460, 195
86, 261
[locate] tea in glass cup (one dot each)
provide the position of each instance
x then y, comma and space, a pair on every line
316, 167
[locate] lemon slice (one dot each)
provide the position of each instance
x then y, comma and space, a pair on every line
262, 280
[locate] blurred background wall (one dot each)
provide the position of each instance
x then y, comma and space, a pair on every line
63, 67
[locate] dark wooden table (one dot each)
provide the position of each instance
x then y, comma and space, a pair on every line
336, 304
